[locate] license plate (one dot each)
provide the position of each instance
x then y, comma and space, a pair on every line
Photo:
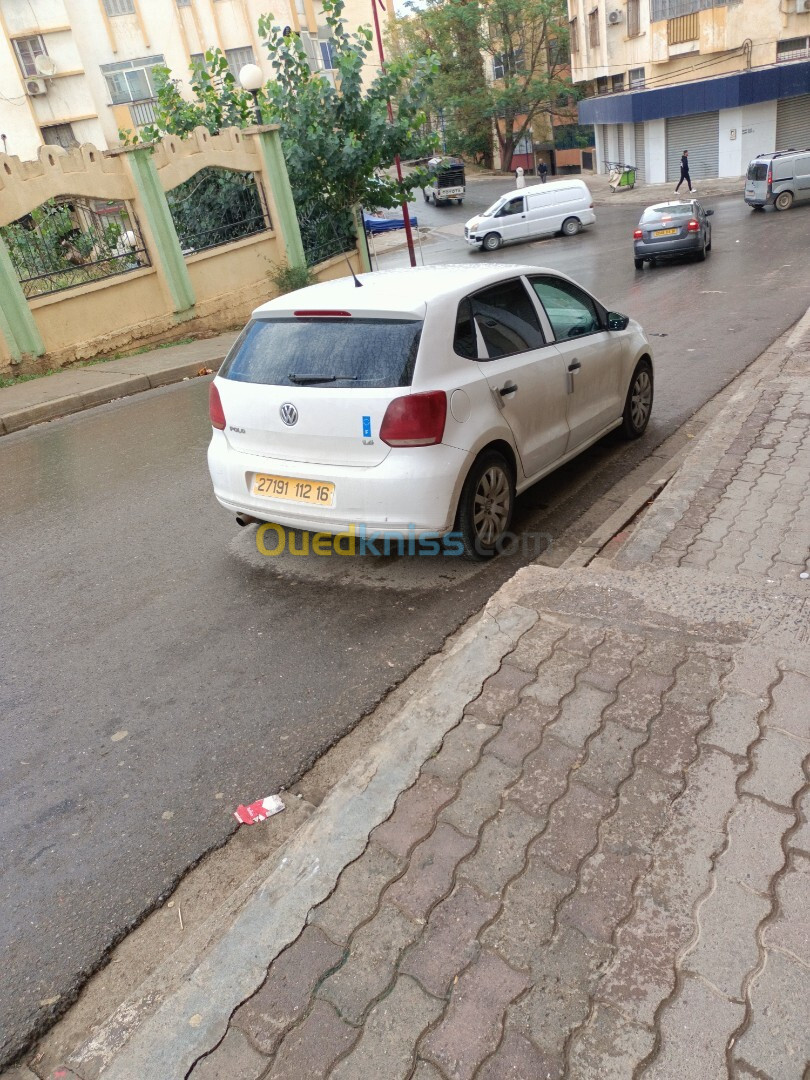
294, 489
665, 232
446, 192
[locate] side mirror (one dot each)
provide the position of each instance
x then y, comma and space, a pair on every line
616, 321
708, 213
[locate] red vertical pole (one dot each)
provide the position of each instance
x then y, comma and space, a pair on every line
405, 213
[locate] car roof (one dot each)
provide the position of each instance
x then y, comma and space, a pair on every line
403, 291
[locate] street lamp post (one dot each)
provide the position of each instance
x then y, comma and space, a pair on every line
252, 80
405, 214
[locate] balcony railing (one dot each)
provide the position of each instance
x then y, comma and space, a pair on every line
682, 29
142, 112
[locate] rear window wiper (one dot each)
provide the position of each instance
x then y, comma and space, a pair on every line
306, 380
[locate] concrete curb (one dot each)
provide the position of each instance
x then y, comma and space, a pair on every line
77, 389
183, 1010
700, 462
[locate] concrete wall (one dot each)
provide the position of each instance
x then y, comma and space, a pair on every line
221, 285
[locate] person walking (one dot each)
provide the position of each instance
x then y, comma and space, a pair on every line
519, 180
543, 171
685, 174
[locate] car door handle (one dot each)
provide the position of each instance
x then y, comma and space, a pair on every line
507, 388
574, 365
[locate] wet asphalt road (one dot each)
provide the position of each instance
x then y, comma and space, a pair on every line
156, 672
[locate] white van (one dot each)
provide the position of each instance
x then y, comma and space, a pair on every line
560, 206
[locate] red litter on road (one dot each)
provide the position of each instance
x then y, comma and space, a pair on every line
259, 810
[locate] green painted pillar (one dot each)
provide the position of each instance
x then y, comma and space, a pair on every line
362, 240
275, 170
17, 324
153, 201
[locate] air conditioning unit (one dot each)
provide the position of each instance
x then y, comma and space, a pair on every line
614, 17
802, 5
35, 87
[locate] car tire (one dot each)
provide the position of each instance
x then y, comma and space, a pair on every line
571, 226
784, 200
653, 262
701, 255
709, 245
491, 242
427, 197
481, 526
639, 402
638, 263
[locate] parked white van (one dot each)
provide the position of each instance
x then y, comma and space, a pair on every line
560, 206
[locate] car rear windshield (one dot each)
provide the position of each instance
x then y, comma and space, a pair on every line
758, 170
336, 352
656, 213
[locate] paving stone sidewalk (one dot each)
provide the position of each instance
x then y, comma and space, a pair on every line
603, 872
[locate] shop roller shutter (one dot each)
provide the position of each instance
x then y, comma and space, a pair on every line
700, 135
638, 139
793, 123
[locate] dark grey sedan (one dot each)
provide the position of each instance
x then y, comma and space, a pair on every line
670, 229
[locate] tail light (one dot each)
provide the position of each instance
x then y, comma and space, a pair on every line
215, 410
693, 226
638, 235
770, 176
415, 420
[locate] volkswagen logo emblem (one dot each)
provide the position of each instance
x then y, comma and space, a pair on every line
289, 414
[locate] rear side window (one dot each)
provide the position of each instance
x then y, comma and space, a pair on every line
757, 170
507, 319
783, 168
325, 352
570, 311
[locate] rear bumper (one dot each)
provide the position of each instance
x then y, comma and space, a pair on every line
668, 248
413, 490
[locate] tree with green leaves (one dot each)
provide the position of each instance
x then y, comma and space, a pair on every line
337, 138
503, 66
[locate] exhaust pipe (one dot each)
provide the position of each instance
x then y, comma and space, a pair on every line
245, 519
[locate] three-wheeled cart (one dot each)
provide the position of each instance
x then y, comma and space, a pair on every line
620, 176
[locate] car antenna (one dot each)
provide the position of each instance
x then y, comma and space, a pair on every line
358, 284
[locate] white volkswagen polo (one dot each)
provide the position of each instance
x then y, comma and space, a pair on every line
420, 402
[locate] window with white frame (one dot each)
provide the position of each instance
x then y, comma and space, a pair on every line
237, 58
131, 80
310, 43
793, 48
27, 50
636, 78
328, 55
507, 63
119, 7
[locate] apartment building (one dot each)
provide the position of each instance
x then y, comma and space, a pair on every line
75, 71
725, 79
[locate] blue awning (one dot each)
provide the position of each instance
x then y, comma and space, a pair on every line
379, 225
704, 95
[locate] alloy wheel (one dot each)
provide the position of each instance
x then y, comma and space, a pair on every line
641, 399
492, 505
